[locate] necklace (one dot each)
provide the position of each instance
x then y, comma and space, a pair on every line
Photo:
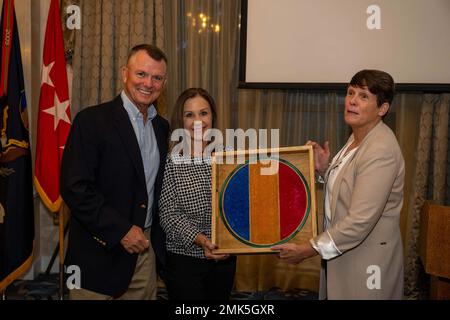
342, 155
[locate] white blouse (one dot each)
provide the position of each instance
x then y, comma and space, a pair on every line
325, 245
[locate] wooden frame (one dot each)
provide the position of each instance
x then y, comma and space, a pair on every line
282, 209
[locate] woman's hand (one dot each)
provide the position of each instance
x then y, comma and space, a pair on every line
321, 156
295, 253
202, 241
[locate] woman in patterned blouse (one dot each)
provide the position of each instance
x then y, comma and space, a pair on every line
194, 272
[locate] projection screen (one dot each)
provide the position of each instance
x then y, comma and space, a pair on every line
320, 44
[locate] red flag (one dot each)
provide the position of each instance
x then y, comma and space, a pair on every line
54, 113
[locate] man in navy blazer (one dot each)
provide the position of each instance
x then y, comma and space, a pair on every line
111, 177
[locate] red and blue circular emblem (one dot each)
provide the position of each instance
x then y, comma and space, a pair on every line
264, 210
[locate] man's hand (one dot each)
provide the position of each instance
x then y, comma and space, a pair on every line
295, 253
202, 241
135, 241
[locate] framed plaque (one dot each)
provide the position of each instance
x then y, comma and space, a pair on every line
261, 198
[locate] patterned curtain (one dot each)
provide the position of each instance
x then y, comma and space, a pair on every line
201, 42
68, 34
431, 181
109, 29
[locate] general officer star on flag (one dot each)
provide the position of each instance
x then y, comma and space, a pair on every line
54, 113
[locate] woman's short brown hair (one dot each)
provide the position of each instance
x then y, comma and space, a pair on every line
378, 82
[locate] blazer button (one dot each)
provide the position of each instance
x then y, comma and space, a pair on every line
143, 206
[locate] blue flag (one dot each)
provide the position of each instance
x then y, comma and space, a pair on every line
16, 193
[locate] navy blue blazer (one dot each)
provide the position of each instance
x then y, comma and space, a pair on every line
103, 184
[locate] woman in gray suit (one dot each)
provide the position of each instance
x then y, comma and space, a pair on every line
361, 246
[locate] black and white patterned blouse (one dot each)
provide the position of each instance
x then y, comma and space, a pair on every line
185, 203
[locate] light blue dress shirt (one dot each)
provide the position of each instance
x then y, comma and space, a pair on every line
148, 145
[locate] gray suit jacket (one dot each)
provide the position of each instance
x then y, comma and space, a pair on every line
367, 197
